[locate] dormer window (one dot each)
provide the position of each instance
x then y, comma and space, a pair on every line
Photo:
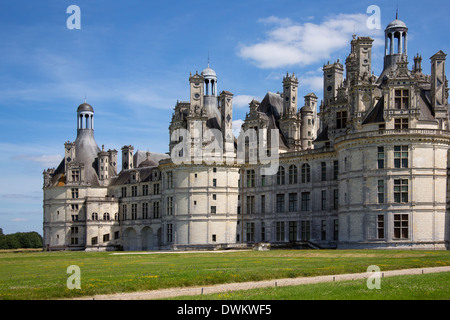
75, 175
341, 120
401, 99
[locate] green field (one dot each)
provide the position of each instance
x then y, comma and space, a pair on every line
43, 275
411, 287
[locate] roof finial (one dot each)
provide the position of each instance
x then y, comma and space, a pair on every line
208, 58
396, 14
84, 97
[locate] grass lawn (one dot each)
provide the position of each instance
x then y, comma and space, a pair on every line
42, 275
410, 287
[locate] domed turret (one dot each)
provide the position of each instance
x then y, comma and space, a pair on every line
85, 117
396, 24
208, 72
396, 46
210, 81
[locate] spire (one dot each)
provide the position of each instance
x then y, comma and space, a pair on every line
396, 14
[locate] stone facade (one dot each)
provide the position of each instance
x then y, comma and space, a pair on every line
368, 168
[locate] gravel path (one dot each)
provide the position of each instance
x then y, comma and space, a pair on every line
189, 291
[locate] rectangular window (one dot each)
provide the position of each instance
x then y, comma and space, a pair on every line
133, 211
292, 202
380, 226
214, 182
134, 191
250, 231
73, 230
380, 191
401, 191
156, 188
280, 202
341, 120
263, 204
380, 158
280, 231
263, 231
169, 176
73, 240
335, 229
124, 192
145, 190
401, 99
124, 212
336, 199
106, 237
306, 201
324, 200
401, 226
401, 156
214, 237
323, 230
401, 123
305, 230
169, 233
156, 214
74, 193
94, 241
292, 230
213, 210
323, 167
116, 235
250, 178
250, 204
169, 206
335, 170
145, 210
263, 180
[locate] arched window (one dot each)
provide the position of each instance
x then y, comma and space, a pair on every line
306, 173
281, 179
94, 216
293, 172
106, 216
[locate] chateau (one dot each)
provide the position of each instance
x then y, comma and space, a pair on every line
367, 168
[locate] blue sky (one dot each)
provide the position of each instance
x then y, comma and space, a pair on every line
132, 60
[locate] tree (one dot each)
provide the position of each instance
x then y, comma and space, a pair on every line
20, 240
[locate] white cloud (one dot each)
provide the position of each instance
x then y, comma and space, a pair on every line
236, 125
45, 161
275, 20
313, 83
289, 43
242, 101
